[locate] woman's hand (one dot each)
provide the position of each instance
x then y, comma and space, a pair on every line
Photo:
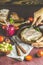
38, 17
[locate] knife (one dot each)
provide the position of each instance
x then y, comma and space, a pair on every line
17, 47
17, 43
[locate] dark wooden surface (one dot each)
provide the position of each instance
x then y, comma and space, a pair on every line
4, 60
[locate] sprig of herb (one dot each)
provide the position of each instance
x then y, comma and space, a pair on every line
11, 21
37, 29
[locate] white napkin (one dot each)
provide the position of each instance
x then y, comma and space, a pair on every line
13, 53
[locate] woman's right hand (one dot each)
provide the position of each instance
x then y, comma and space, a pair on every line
38, 17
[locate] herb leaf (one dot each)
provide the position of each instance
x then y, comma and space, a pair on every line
11, 20
37, 29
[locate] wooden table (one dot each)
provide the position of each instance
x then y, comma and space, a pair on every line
4, 60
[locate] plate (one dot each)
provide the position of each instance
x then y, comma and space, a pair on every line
13, 53
22, 27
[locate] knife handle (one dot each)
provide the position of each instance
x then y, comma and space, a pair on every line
22, 49
18, 51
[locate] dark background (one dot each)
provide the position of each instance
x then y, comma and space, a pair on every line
23, 10
21, 2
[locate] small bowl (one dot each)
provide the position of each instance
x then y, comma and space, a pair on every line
4, 53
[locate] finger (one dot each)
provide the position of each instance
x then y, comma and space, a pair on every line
35, 18
34, 21
39, 21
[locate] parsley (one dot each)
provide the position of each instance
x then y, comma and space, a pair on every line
37, 29
11, 20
